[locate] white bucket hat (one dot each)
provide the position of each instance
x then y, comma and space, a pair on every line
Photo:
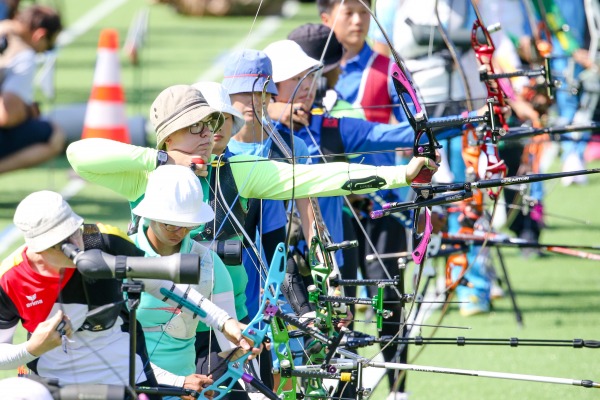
174, 196
218, 98
18, 388
288, 59
45, 219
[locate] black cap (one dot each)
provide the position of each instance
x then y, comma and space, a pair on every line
313, 38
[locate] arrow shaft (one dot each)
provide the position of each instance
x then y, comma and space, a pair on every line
521, 132
492, 241
464, 190
486, 374
512, 342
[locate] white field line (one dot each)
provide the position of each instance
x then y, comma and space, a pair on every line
264, 30
88, 20
267, 27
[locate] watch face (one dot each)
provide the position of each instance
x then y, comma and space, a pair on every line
162, 157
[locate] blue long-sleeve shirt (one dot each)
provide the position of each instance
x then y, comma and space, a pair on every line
273, 210
357, 136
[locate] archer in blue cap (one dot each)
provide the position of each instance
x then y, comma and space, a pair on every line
247, 71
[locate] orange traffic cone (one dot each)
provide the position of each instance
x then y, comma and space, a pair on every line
105, 114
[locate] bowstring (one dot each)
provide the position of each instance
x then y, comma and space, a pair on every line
397, 59
217, 231
289, 156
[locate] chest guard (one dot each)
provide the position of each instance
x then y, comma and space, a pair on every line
331, 140
237, 204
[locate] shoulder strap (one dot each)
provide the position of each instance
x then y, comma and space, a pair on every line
230, 192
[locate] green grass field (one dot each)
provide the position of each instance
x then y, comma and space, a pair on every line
559, 296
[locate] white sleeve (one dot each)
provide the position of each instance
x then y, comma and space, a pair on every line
227, 302
12, 355
164, 377
215, 316
19, 80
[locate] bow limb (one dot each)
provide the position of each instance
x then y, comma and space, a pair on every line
409, 101
320, 263
484, 52
494, 165
474, 146
314, 385
320, 228
287, 384
468, 137
256, 330
418, 120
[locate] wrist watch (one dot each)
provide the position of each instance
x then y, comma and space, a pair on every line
161, 158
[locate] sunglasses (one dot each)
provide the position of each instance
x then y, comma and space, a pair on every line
175, 228
199, 127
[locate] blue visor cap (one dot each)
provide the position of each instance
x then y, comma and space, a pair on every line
247, 71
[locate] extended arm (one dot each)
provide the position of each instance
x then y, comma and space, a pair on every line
125, 168
118, 166
274, 180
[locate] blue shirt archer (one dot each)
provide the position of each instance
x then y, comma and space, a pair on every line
355, 136
274, 209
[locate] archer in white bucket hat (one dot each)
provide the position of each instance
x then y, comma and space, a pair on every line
218, 98
288, 59
174, 196
45, 219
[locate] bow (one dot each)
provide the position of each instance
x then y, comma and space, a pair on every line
256, 331
483, 184
419, 122
323, 267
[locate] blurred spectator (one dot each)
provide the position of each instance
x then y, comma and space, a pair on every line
25, 139
8, 8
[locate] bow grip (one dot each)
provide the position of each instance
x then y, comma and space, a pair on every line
254, 331
423, 177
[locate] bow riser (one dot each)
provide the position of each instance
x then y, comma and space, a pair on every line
256, 329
